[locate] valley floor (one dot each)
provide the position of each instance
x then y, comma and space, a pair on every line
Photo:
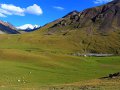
34, 62
29, 71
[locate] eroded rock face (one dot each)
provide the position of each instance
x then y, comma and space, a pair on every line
6, 27
103, 18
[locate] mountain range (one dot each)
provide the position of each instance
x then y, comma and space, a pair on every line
28, 27
94, 30
102, 19
8, 28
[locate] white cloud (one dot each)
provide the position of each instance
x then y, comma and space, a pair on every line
58, 7
10, 9
26, 26
102, 1
35, 9
5, 12
14, 10
2, 15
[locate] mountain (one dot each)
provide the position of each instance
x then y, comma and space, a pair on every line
8, 28
94, 30
103, 18
28, 27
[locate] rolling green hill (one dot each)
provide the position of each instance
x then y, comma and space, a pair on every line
23, 70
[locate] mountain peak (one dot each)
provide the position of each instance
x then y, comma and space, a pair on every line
104, 18
28, 26
114, 1
74, 12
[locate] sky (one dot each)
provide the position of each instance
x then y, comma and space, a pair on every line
41, 12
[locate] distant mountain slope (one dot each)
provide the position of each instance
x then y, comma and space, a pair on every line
28, 26
103, 18
6, 27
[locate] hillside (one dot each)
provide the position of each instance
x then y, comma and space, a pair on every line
6, 27
94, 30
102, 19
48, 58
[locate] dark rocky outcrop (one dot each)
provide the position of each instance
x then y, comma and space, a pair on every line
114, 75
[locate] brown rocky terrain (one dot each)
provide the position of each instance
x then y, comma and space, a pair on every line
102, 18
6, 27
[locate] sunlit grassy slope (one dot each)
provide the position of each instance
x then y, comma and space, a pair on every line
20, 69
35, 59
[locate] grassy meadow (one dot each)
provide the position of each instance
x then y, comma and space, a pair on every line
34, 61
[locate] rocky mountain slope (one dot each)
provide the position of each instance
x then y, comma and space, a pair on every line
102, 19
94, 30
6, 27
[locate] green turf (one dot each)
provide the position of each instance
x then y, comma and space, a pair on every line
34, 60
35, 70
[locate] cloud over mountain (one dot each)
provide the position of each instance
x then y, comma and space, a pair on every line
10, 9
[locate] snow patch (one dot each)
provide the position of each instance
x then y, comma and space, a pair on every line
26, 26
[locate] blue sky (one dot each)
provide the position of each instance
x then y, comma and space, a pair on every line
20, 12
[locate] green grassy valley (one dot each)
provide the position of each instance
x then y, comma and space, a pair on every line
35, 61
43, 62
56, 55
25, 70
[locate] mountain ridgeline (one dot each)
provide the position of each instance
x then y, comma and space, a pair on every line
102, 19
94, 30
6, 27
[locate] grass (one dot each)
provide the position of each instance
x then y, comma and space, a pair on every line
34, 60
37, 70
